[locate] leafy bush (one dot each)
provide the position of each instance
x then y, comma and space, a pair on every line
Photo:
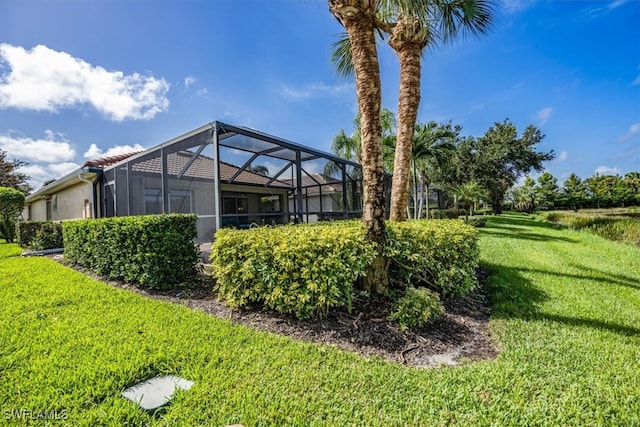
447, 213
302, 269
442, 255
40, 235
49, 236
155, 250
417, 308
475, 221
11, 202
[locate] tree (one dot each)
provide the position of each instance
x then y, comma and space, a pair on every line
259, 169
525, 197
632, 181
10, 176
575, 192
439, 21
11, 203
432, 148
350, 146
469, 193
547, 191
359, 18
500, 157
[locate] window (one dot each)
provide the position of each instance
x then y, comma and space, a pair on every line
152, 201
180, 201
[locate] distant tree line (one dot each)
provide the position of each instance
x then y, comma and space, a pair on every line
598, 191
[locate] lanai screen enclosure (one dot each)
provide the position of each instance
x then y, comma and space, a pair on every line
233, 177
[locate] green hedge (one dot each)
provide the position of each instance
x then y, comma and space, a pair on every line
441, 255
40, 235
298, 269
155, 251
305, 270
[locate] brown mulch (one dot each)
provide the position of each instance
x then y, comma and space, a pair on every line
460, 336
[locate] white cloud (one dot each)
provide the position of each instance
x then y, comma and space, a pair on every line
543, 115
636, 81
515, 6
316, 90
43, 79
94, 152
477, 107
189, 80
62, 169
596, 12
562, 156
39, 173
606, 170
52, 148
634, 130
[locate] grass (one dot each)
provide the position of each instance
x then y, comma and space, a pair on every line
566, 316
622, 225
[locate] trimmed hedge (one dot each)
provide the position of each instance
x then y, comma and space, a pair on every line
40, 235
156, 251
302, 269
441, 255
305, 270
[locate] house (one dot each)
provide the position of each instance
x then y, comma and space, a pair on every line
227, 175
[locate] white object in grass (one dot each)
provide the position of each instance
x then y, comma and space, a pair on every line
156, 392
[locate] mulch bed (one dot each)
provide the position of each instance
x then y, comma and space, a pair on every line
460, 336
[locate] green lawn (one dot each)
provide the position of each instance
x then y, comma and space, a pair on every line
567, 318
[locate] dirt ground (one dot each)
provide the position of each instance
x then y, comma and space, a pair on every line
461, 336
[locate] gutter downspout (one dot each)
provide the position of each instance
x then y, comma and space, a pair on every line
97, 172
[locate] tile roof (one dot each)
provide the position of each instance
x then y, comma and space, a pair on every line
107, 161
202, 168
329, 184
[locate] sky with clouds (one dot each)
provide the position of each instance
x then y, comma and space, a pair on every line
82, 80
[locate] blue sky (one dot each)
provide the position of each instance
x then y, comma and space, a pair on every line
81, 79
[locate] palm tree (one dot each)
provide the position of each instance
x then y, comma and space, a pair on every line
469, 192
359, 18
350, 146
441, 21
433, 146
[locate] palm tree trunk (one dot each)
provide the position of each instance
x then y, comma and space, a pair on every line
427, 191
415, 189
408, 101
358, 19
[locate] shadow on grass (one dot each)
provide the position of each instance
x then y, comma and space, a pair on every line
591, 323
590, 274
514, 296
520, 220
517, 233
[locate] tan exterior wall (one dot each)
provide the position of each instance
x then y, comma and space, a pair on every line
73, 202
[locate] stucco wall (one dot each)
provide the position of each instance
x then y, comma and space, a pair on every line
70, 202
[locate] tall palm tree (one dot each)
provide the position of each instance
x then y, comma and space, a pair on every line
410, 35
359, 19
433, 146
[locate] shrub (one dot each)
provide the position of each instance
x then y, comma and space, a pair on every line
417, 308
302, 269
442, 255
49, 236
154, 250
11, 202
448, 213
474, 221
40, 235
